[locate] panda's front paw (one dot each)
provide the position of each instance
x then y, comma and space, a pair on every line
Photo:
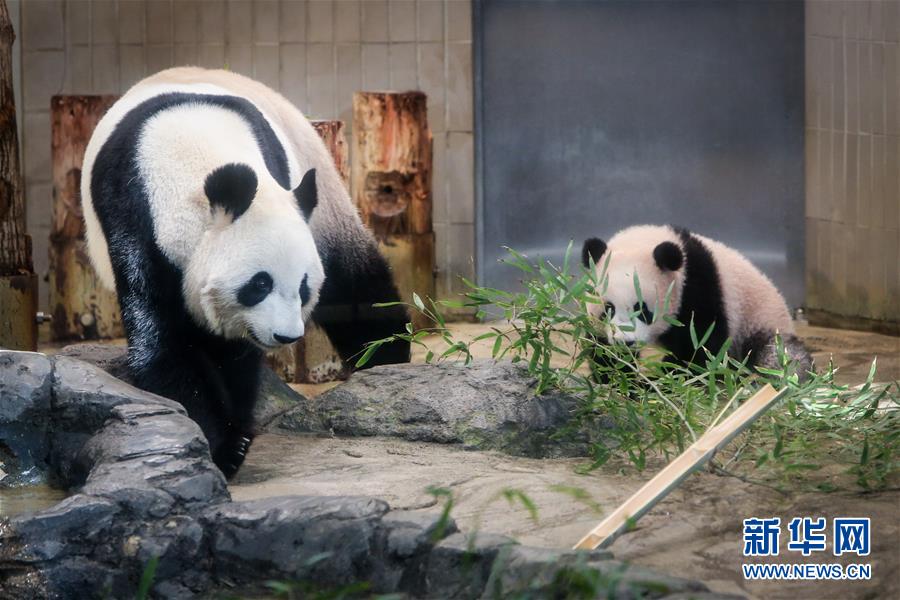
230, 455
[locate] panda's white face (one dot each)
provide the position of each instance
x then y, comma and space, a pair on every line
627, 317
256, 276
625, 314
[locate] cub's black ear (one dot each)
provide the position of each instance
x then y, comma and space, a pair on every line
232, 188
593, 249
307, 194
668, 256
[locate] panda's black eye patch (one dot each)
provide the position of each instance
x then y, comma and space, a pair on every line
610, 310
255, 291
643, 312
304, 290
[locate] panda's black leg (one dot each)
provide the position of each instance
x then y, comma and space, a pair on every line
240, 366
352, 285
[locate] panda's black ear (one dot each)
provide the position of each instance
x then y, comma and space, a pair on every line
593, 249
307, 194
231, 188
668, 256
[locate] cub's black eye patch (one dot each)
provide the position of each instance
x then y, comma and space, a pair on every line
610, 310
255, 291
304, 290
643, 312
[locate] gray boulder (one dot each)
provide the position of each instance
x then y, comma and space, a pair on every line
487, 405
275, 396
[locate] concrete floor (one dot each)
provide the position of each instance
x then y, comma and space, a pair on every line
695, 532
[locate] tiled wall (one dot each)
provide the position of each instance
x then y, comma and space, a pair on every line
316, 52
853, 158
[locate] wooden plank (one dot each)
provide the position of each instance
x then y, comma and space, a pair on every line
82, 308
676, 471
18, 284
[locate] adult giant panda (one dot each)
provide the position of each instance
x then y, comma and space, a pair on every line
215, 211
711, 285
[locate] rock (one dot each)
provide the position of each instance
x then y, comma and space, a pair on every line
487, 405
327, 540
25, 385
275, 396
545, 572
408, 540
460, 566
148, 489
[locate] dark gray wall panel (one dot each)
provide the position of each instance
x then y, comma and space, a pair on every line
592, 116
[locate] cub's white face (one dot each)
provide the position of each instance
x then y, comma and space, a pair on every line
653, 258
631, 319
256, 276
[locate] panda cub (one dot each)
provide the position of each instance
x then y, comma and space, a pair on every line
216, 212
711, 284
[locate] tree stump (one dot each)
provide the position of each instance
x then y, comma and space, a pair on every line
313, 359
18, 283
82, 307
391, 184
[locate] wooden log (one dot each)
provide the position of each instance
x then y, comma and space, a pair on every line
82, 308
391, 183
313, 359
18, 283
332, 133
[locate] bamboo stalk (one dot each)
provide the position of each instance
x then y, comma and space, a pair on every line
677, 471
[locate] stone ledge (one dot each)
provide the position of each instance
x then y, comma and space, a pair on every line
144, 487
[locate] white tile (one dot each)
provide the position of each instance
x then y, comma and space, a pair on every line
42, 24
320, 26
211, 56
104, 28
77, 22
159, 58
42, 77
430, 17
441, 261
159, 22
212, 22
186, 55
293, 74
239, 20
431, 81
39, 206
375, 21
460, 178
459, 20
375, 67
459, 87
293, 21
439, 213
105, 67
461, 253
78, 70
266, 66
239, 58
321, 78
36, 155
131, 22
186, 20
265, 21
132, 66
402, 20
349, 79
347, 21
403, 67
